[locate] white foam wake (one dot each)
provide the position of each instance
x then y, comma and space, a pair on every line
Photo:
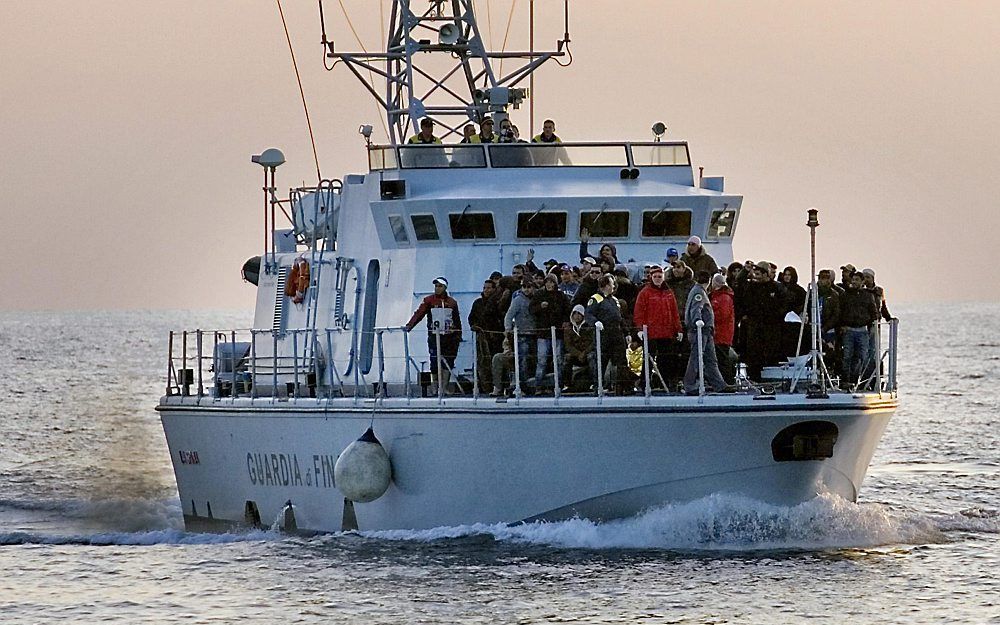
716, 522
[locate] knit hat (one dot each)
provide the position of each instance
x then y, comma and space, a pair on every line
868, 271
694, 239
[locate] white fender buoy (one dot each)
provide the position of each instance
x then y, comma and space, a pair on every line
363, 470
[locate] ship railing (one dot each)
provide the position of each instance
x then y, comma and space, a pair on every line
292, 363
880, 372
624, 154
333, 362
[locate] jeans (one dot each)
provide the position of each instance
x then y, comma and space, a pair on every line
524, 345
856, 343
544, 350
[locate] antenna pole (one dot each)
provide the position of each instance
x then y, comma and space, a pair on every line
531, 80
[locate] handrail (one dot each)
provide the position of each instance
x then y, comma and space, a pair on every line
485, 149
304, 362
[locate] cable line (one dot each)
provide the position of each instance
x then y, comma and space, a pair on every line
371, 75
298, 79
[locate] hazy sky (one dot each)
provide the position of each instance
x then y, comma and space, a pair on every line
127, 127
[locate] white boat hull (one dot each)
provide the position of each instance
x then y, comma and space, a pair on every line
481, 462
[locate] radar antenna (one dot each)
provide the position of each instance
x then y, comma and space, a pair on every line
428, 57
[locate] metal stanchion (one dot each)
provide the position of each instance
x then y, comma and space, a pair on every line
253, 364
440, 367
475, 366
555, 363
185, 386
701, 358
232, 360
170, 362
600, 362
198, 341
295, 363
406, 368
517, 366
645, 359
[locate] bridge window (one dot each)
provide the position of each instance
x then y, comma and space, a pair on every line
666, 224
541, 225
605, 224
722, 225
424, 227
399, 229
472, 226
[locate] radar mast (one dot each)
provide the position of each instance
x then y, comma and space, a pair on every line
436, 64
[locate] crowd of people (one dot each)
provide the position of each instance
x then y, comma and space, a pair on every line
748, 312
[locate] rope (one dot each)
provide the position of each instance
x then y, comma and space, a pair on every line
371, 75
510, 18
302, 93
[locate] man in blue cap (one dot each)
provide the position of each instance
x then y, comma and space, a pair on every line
672, 255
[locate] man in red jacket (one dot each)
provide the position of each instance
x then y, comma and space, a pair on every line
656, 309
721, 297
443, 318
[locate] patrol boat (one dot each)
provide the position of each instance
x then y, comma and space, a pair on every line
322, 416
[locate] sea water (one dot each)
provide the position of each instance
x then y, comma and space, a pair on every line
91, 528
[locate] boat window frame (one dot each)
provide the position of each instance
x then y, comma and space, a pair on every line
466, 215
650, 237
710, 236
416, 230
401, 222
550, 213
603, 212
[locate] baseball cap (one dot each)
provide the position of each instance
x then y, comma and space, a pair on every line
440, 280
671, 251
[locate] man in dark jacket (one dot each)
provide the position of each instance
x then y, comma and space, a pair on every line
604, 313
588, 284
829, 317
486, 321
764, 306
697, 258
550, 308
858, 311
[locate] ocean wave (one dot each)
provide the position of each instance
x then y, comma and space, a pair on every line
717, 523
124, 515
156, 537
984, 520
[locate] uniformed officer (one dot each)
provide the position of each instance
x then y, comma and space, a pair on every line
548, 134
699, 308
426, 134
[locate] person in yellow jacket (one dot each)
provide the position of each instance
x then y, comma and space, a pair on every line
485, 133
426, 134
548, 133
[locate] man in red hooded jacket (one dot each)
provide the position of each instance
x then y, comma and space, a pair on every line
721, 297
656, 308
443, 318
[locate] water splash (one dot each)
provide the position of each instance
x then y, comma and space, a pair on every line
716, 522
